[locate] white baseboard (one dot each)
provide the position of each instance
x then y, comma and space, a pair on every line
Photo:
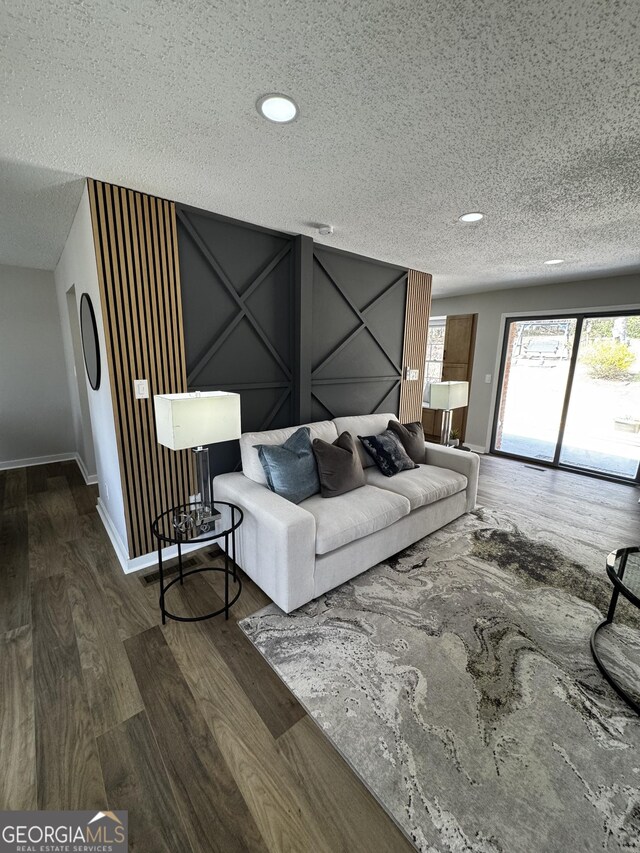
90, 479
118, 545
36, 460
29, 462
477, 448
146, 560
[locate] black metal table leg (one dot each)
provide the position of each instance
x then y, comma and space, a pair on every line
624, 694
161, 573
226, 576
612, 606
233, 544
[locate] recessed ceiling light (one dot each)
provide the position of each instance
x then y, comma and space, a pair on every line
471, 217
554, 261
278, 108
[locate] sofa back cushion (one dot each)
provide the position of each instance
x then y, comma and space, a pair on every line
251, 465
363, 425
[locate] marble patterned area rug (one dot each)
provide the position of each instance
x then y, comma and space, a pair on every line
457, 681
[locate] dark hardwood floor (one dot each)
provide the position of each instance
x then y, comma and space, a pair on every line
602, 512
185, 725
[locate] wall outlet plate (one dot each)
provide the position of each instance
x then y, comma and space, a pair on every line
411, 374
141, 388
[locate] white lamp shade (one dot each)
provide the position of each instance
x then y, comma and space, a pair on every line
449, 395
192, 420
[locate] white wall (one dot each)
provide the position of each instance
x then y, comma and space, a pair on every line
77, 266
78, 387
35, 419
492, 306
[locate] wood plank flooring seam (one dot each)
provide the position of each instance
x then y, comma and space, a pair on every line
18, 780
14, 569
280, 808
134, 817
218, 816
64, 727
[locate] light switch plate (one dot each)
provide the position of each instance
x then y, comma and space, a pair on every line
141, 387
487, 378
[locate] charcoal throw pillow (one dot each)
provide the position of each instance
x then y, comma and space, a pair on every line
412, 438
388, 453
339, 466
290, 468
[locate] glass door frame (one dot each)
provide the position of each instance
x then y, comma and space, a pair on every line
579, 317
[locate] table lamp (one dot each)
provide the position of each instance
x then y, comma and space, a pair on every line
192, 421
448, 396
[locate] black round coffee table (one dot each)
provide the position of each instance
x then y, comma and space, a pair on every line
167, 532
623, 568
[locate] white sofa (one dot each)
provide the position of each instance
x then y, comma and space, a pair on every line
297, 552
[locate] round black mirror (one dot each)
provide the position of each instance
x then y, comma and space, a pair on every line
90, 345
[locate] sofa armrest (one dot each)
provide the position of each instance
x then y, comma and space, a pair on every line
276, 541
463, 461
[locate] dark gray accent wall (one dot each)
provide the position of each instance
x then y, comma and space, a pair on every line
303, 332
239, 306
357, 335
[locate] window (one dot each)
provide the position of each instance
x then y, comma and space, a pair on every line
435, 349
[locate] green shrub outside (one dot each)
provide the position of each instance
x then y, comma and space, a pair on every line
598, 327
633, 327
602, 327
608, 359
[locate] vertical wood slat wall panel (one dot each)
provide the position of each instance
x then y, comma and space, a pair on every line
415, 343
136, 255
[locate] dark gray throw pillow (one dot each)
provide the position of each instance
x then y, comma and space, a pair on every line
412, 438
339, 466
290, 468
388, 453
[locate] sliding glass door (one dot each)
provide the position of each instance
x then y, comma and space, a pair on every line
602, 431
570, 393
534, 382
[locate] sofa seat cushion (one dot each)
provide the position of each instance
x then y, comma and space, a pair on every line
426, 484
353, 515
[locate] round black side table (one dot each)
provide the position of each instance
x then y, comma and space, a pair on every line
225, 528
623, 568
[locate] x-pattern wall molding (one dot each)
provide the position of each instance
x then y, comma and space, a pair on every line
241, 300
238, 307
358, 335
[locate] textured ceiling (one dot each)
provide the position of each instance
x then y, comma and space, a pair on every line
411, 112
37, 207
